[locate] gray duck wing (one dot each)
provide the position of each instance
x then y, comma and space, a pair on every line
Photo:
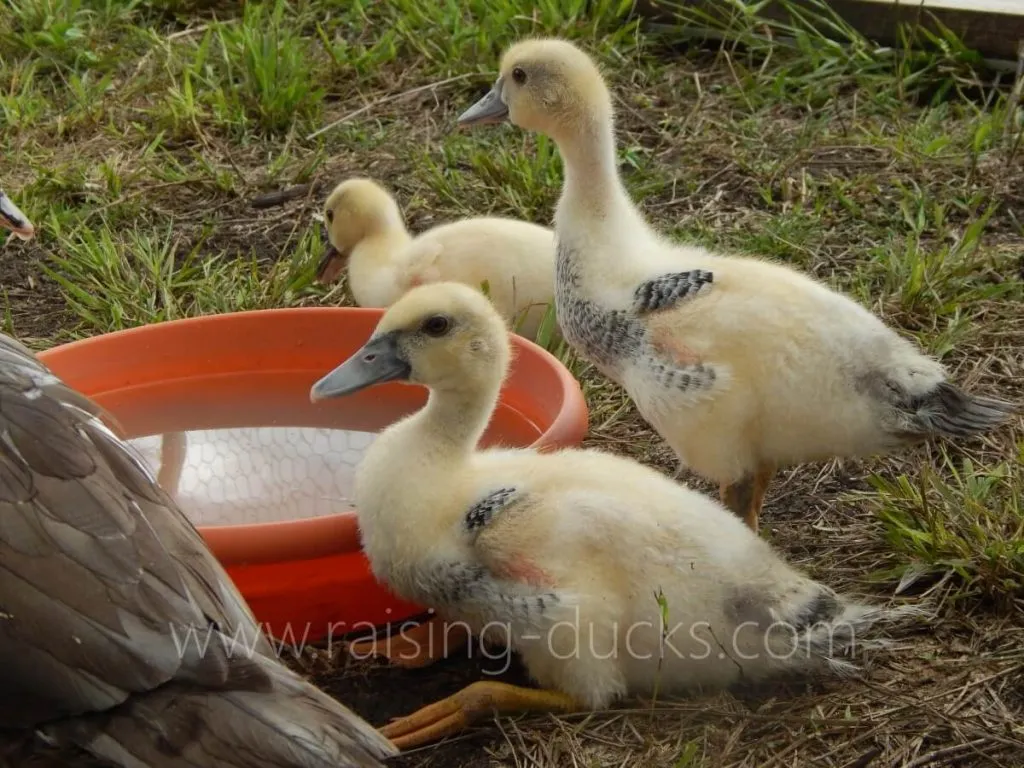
89, 598
268, 715
119, 631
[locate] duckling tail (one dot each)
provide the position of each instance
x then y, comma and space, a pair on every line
825, 629
951, 412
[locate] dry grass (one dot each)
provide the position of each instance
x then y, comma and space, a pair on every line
137, 135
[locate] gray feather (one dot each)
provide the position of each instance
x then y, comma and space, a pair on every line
809, 627
480, 514
267, 715
667, 291
951, 412
103, 580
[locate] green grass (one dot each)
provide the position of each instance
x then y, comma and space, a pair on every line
256, 75
135, 135
959, 521
144, 277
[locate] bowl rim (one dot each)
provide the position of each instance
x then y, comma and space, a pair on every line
338, 533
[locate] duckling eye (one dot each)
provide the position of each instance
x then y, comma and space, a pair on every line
519, 75
329, 215
436, 325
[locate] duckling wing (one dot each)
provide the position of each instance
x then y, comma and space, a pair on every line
667, 291
492, 581
420, 260
817, 341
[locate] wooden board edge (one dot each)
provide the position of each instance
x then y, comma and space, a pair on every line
993, 35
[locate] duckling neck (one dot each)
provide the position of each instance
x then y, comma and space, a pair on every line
453, 421
410, 484
592, 185
372, 267
442, 434
413, 465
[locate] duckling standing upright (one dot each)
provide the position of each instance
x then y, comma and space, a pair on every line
742, 365
120, 634
365, 228
562, 554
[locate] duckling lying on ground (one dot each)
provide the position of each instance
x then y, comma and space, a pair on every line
366, 230
742, 365
120, 634
563, 555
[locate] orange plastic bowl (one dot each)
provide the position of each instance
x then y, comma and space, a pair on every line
306, 579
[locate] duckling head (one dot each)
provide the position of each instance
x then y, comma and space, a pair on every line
355, 210
446, 336
13, 219
546, 85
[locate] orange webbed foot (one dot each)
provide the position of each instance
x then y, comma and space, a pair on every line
453, 714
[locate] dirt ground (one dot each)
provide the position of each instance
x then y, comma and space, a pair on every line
895, 177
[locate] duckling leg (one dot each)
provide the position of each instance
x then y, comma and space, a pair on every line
746, 497
449, 716
419, 646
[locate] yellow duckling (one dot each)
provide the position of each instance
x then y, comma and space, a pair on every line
741, 364
366, 231
573, 558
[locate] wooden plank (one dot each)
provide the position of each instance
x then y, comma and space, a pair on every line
994, 28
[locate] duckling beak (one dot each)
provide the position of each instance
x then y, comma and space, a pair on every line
379, 360
491, 109
331, 264
13, 219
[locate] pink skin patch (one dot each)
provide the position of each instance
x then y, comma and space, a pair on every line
416, 281
522, 570
665, 344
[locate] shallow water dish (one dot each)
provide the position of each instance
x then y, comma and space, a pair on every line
264, 472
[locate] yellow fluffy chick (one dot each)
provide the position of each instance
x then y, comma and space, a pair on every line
741, 364
366, 230
563, 555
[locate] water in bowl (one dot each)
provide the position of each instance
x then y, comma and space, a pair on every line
253, 449
246, 475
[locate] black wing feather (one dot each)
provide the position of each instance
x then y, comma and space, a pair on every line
666, 291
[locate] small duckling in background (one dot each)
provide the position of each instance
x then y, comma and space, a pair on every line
120, 633
366, 232
564, 554
741, 364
